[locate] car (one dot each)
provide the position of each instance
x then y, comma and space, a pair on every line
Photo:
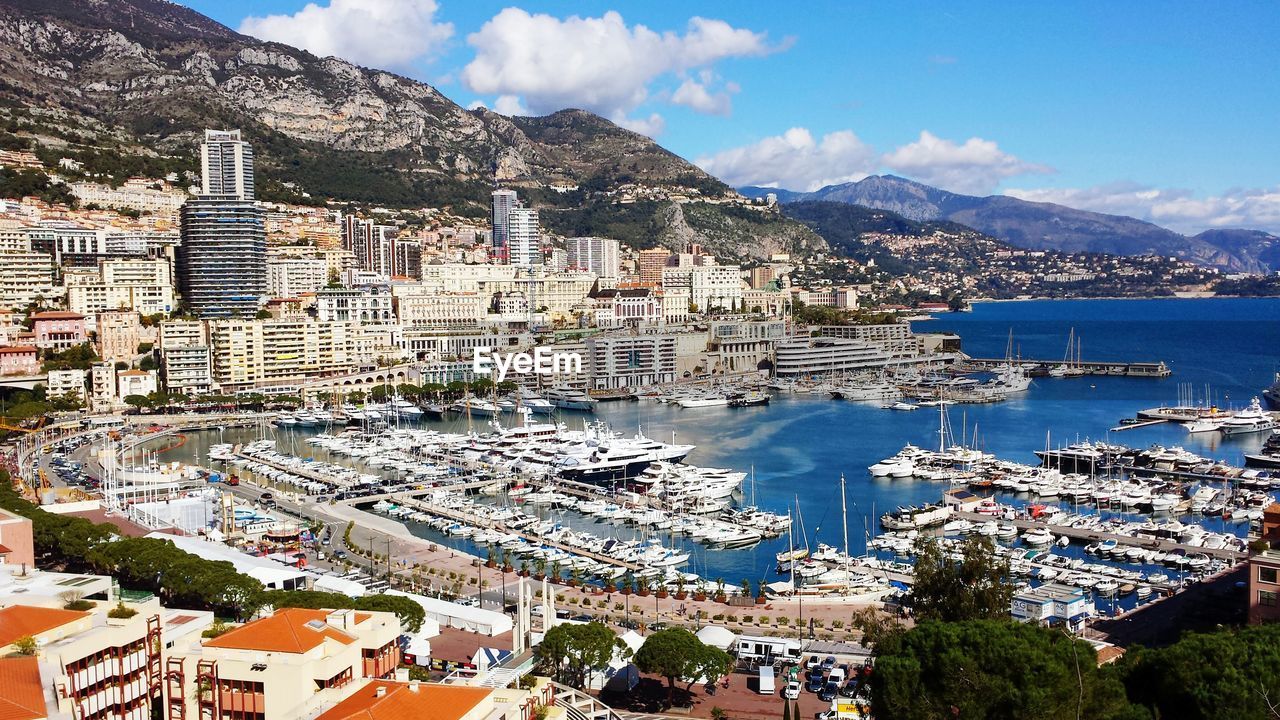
829, 662
265, 497
340, 555
825, 715
829, 692
849, 689
324, 540
582, 618
813, 662
816, 683
792, 690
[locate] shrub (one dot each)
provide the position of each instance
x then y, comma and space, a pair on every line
121, 611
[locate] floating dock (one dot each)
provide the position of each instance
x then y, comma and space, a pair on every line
1121, 369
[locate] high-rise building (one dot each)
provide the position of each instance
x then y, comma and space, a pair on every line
524, 244
650, 265
504, 201
597, 255
222, 260
226, 165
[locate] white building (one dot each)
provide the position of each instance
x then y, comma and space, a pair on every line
710, 287
141, 194
135, 382
291, 277
523, 237
593, 254
102, 386
365, 305
145, 286
24, 277
226, 165
420, 306
66, 382
630, 360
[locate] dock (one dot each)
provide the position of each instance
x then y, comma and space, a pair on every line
1086, 535
1156, 369
1139, 424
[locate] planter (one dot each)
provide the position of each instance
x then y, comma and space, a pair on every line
626, 591
490, 564
507, 568
572, 583
762, 600
523, 573
644, 592
699, 597
722, 598
681, 595
662, 594
539, 576
611, 588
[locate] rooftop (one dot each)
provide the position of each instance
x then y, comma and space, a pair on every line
21, 692
57, 315
386, 700
290, 630
18, 621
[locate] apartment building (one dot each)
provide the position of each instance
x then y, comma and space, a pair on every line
102, 386
280, 352
66, 382
19, 360
741, 346
291, 664
186, 360
1264, 570
616, 361
710, 287
650, 263
411, 700
363, 305
16, 536
26, 277
594, 255
145, 286
136, 382
291, 277
141, 194
119, 334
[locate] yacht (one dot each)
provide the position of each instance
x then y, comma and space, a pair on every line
1204, 425
1272, 394
1252, 419
570, 399
707, 401
876, 391
404, 409
528, 398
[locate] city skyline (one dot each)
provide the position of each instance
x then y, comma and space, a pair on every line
1105, 109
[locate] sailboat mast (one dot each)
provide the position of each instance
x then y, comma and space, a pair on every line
844, 523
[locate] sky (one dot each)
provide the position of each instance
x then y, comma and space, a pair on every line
1168, 112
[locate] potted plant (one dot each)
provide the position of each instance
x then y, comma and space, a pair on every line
643, 587
680, 593
720, 594
539, 568
555, 572
489, 561
575, 577
610, 586
760, 597
627, 583
506, 561
524, 568
661, 591
699, 595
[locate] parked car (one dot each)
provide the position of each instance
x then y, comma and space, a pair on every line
829, 692
829, 662
340, 555
825, 715
816, 682
813, 662
849, 689
792, 690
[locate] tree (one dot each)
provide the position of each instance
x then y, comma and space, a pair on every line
975, 587
1230, 674
676, 654
992, 669
570, 651
137, 401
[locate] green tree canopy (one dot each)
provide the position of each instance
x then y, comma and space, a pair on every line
993, 670
974, 587
569, 651
676, 654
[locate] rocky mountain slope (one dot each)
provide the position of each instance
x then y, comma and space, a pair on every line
147, 76
1044, 226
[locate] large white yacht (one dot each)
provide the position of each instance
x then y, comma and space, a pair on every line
1252, 419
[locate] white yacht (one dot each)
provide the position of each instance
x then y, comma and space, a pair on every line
570, 399
706, 401
1252, 419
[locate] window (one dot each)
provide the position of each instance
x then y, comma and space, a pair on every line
1267, 575
1267, 598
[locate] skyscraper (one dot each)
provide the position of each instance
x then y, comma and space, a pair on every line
504, 201
226, 165
597, 255
524, 241
222, 259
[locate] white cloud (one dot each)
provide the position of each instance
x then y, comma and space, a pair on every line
509, 105
974, 168
1177, 209
795, 161
387, 34
602, 64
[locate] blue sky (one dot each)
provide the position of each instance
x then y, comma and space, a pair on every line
1166, 112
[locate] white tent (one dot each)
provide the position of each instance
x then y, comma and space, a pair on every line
632, 639
447, 614
718, 637
272, 575
333, 583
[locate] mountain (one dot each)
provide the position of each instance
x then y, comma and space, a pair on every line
141, 79
1262, 246
1047, 226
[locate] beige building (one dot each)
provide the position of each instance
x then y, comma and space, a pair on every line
141, 194
284, 352
25, 276
135, 382
66, 382
122, 283
120, 333
102, 386
292, 664
423, 307
291, 277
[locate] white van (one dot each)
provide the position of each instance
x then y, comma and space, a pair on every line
766, 681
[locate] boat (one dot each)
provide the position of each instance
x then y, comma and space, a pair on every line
1252, 419
749, 399
570, 399
1268, 456
1037, 537
1272, 394
903, 406
915, 518
1204, 425
701, 402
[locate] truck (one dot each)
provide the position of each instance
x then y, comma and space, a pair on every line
766, 686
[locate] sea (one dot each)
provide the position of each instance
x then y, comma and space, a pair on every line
797, 449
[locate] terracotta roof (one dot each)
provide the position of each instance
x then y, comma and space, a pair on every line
19, 349
400, 702
132, 373
4, 550
21, 692
288, 630
18, 621
57, 315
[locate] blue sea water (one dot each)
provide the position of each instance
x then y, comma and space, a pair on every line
799, 446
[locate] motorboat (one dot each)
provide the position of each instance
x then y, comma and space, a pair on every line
570, 399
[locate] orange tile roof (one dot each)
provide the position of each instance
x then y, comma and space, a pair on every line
21, 692
284, 631
17, 621
429, 702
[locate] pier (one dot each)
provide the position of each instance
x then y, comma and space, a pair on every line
1156, 369
1086, 535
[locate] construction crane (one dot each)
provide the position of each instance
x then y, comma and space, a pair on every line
15, 424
